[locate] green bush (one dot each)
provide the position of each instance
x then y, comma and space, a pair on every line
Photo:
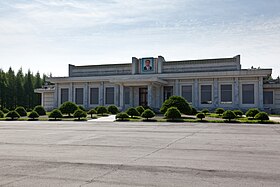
13, 115
80, 114
68, 108
140, 109
122, 116
194, 111
261, 116
200, 115
238, 113
55, 114
172, 113
229, 115
1, 114
102, 110
40, 110
219, 111
132, 112
148, 113
33, 115
113, 109
92, 111
205, 111
21, 111
252, 112
81, 108
5, 110
176, 101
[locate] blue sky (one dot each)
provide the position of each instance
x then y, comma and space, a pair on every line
47, 35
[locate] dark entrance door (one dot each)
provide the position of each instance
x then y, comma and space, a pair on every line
143, 92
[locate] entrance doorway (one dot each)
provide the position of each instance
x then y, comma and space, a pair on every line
143, 92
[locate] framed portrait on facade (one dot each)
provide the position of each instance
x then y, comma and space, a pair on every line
147, 65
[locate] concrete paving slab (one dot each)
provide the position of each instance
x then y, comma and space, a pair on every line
138, 154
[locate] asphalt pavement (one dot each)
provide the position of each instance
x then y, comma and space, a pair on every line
138, 154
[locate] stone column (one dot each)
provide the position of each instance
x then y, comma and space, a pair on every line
56, 96
42, 99
150, 97
86, 95
132, 95
236, 93
121, 98
216, 93
260, 93
196, 93
71, 93
177, 88
158, 97
101, 94
116, 95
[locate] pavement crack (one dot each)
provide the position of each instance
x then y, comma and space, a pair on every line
276, 130
166, 146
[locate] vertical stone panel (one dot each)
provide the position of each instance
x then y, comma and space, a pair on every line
260, 90
196, 94
216, 93
236, 92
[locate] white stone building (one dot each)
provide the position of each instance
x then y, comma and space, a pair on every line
208, 83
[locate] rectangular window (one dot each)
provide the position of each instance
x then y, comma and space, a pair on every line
226, 94
94, 96
167, 92
126, 95
206, 94
109, 98
187, 93
79, 96
248, 94
268, 97
64, 95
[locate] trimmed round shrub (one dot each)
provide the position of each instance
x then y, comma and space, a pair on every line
132, 112
40, 110
21, 111
33, 115
13, 115
140, 109
219, 111
113, 109
55, 114
80, 114
261, 116
148, 113
5, 110
238, 113
200, 115
122, 116
92, 111
229, 115
81, 108
194, 111
176, 101
68, 108
102, 110
1, 114
172, 113
252, 112
205, 111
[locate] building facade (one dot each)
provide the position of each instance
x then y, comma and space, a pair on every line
207, 83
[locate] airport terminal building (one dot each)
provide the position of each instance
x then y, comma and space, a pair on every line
206, 83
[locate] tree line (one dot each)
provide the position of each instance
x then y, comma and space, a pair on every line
17, 89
